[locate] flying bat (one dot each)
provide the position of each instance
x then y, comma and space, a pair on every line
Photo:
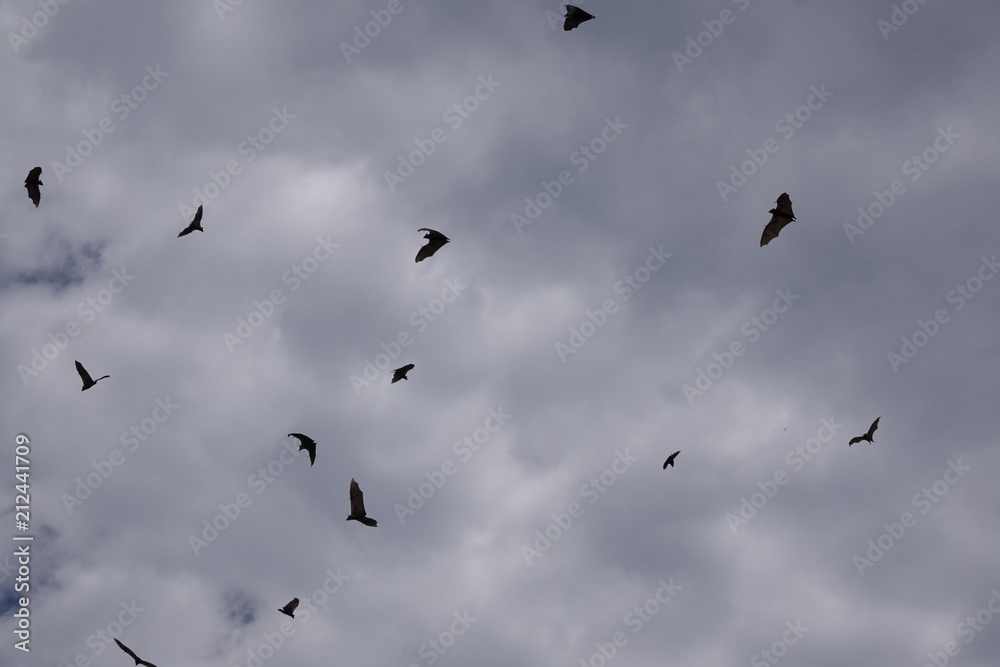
358, 506
574, 17
781, 215
400, 373
133, 655
308, 444
195, 224
31, 183
867, 436
670, 460
435, 241
289, 609
88, 382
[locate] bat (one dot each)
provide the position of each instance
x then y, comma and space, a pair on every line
31, 183
133, 655
867, 436
358, 506
670, 460
781, 215
306, 443
435, 241
195, 224
85, 376
289, 609
574, 17
400, 373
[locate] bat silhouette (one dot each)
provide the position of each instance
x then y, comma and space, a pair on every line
133, 655
435, 241
32, 182
88, 382
574, 17
781, 215
289, 609
867, 436
195, 224
308, 444
400, 373
358, 506
670, 460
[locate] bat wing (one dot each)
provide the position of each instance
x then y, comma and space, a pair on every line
781, 215
435, 241
31, 183
128, 650
574, 17
357, 500
871, 429
84, 375
289, 608
306, 443
855, 441
400, 373
195, 224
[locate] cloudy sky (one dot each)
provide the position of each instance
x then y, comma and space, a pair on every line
603, 303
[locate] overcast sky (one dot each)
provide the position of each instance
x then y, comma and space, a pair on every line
604, 302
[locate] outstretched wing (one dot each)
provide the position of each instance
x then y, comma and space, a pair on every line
306, 443
574, 17
289, 608
781, 215
31, 183
128, 650
435, 241
400, 373
357, 500
195, 224
85, 376
871, 429
855, 441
